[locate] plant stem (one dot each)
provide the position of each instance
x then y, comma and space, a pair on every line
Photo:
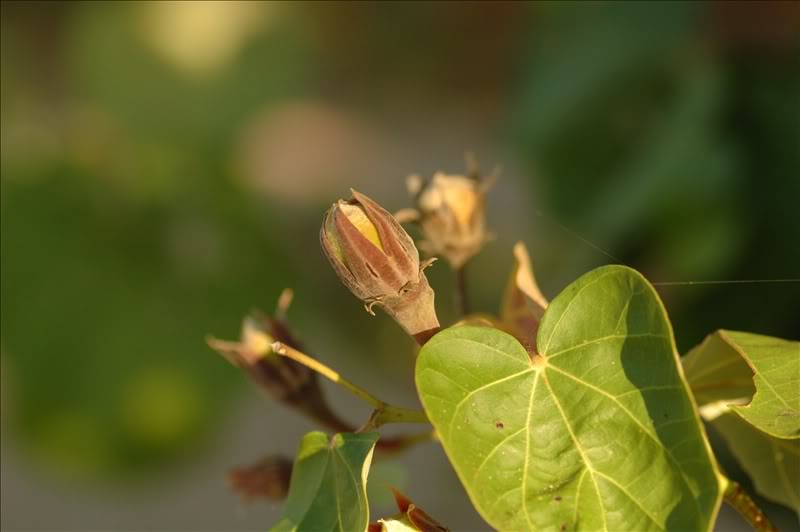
462, 298
747, 508
384, 413
311, 363
396, 414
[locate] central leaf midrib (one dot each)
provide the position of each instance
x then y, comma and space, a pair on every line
578, 447
589, 468
528, 451
343, 461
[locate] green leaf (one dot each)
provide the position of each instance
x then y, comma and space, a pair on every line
600, 432
328, 486
732, 365
772, 463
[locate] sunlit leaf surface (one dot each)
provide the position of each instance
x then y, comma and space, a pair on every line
730, 365
600, 433
328, 486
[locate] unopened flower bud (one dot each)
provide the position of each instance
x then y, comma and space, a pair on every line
451, 211
377, 260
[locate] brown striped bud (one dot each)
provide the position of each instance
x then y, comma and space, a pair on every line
378, 262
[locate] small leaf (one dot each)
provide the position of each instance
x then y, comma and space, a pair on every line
328, 486
732, 365
772, 463
599, 432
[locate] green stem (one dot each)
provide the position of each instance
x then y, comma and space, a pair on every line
396, 414
384, 413
747, 508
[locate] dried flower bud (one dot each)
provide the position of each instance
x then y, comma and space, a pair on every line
284, 379
451, 210
377, 260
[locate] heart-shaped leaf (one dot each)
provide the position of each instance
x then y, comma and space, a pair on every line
328, 488
599, 432
731, 365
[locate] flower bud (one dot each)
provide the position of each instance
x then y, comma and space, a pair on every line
377, 260
451, 210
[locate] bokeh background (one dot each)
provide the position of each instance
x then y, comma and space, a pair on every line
165, 167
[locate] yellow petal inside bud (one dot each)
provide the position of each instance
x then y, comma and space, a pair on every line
357, 216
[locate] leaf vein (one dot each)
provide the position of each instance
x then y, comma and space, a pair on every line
642, 426
494, 450
579, 449
528, 452
603, 338
479, 389
566, 310
631, 497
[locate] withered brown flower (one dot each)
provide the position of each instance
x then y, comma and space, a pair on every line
451, 211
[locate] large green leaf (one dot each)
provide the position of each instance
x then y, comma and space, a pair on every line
599, 433
328, 486
772, 463
732, 365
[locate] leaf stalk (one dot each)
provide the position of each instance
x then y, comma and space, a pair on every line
741, 501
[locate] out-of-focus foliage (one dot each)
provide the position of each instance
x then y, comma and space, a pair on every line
165, 166
673, 145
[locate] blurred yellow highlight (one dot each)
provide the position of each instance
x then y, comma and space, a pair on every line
199, 37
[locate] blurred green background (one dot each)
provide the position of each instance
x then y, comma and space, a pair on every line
165, 167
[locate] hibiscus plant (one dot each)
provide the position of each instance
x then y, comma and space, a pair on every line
572, 414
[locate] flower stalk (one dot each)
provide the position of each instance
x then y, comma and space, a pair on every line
383, 413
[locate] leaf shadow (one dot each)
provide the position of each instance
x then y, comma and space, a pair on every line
670, 411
